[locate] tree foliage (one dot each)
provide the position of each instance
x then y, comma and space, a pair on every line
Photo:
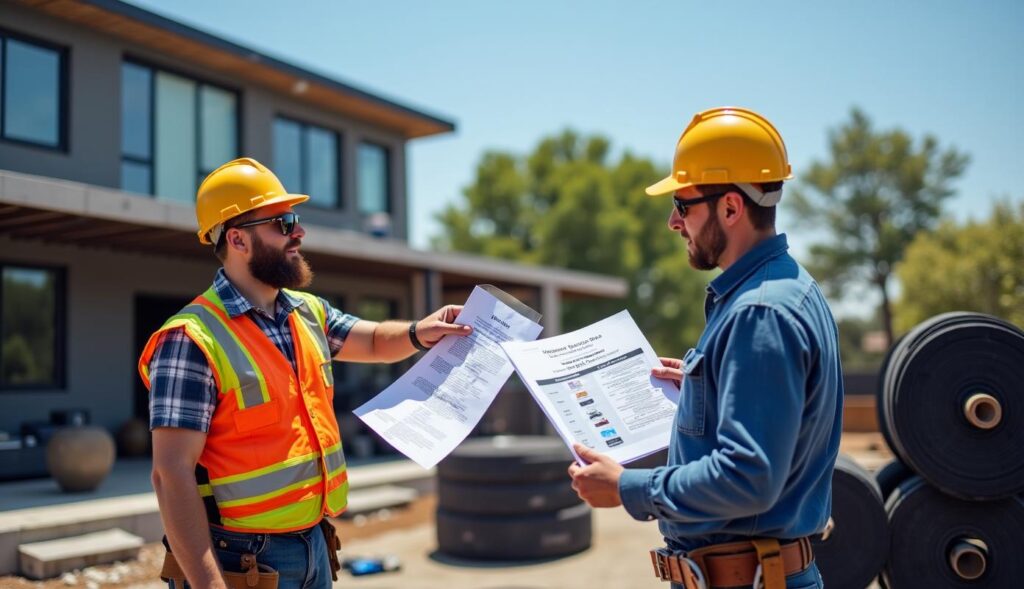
874, 193
976, 266
568, 205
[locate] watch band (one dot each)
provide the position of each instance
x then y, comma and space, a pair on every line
415, 340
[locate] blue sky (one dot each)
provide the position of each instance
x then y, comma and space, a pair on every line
509, 73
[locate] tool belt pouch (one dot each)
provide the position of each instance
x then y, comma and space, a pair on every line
255, 575
333, 546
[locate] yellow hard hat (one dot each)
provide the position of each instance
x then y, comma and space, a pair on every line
238, 186
727, 145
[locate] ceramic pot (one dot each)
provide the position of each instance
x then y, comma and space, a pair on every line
79, 458
133, 438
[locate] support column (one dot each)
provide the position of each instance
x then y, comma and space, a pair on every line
426, 292
434, 294
551, 309
418, 294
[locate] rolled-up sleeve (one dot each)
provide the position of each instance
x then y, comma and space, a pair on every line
339, 324
760, 370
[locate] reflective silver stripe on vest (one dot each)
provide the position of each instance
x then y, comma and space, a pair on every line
248, 380
335, 460
267, 483
316, 330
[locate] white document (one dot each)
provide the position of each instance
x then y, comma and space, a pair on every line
595, 386
427, 412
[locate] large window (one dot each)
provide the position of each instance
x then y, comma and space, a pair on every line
31, 327
373, 173
174, 131
32, 92
306, 161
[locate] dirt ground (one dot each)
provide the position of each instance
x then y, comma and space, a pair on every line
373, 533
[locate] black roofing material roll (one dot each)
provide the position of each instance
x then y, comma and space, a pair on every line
941, 541
880, 393
953, 404
854, 546
559, 533
891, 476
510, 498
510, 459
505, 498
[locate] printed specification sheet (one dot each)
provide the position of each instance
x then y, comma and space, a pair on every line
595, 386
427, 412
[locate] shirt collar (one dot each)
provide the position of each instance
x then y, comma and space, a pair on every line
747, 264
235, 302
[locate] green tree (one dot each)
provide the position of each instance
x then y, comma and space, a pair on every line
568, 205
976, 266
874, 193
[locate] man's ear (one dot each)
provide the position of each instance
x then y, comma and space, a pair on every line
236, 240
732, 208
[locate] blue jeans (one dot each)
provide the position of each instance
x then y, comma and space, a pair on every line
810, 578
300, 558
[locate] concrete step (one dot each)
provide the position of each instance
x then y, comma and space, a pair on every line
42, 560
367, 499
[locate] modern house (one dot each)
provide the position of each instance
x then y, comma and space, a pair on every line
110, 115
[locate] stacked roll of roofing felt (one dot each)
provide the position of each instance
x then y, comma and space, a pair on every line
508, 498
855, 544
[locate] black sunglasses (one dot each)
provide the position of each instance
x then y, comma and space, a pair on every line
288, 222
682, 205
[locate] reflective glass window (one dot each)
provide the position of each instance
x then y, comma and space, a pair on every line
288, 153
372, 179
218, 127
31, 93
322, 166
174, 124
136, 115
174, 131
306, 161
30, 325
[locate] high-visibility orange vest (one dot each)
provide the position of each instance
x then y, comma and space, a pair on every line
273, 452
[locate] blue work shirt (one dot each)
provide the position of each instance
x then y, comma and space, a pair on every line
760, 414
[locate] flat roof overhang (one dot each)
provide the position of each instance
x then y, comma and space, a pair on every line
60, 211
179, 41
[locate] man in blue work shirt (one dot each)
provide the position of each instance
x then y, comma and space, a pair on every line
757, 431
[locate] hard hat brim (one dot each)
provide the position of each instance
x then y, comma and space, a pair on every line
290, 199
666, 185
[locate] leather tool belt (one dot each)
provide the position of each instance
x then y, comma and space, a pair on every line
256, 576
758, 562
333, 546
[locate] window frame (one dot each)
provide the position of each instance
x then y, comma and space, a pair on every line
197, 104
389, 198
304, 125
60, 333
63, 112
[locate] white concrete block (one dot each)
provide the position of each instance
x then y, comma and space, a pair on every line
41, 560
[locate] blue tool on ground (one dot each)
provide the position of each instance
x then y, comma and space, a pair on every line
359, 566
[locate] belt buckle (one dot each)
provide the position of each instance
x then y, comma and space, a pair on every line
663, 570
660, 558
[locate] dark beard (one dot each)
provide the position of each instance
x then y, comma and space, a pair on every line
709, 244
273, 268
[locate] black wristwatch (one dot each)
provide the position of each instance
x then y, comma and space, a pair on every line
415, 340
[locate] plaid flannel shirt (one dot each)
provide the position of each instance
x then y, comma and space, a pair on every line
183, 391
